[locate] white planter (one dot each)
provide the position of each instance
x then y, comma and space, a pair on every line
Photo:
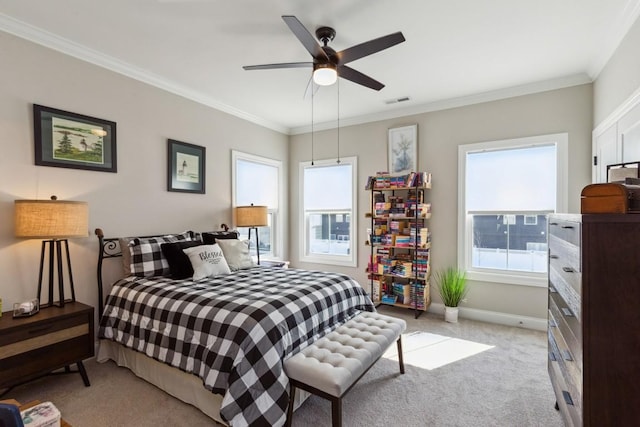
451, 314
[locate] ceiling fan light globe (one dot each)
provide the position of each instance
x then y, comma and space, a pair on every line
325, 76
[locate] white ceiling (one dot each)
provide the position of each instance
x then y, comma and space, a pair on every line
456, 51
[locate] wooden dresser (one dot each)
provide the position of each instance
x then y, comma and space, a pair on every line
594, 318
54, 338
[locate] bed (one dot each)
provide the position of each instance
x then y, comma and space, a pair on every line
217, 342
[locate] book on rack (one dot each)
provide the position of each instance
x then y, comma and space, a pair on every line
402, 292
376, 291
389, 299
416, 296
382, 180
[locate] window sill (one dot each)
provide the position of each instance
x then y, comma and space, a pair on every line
329, 261
538, 280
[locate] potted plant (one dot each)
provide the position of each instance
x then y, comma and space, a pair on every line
452, 286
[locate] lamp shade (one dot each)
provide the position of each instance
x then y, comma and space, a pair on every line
251, 216
51, 219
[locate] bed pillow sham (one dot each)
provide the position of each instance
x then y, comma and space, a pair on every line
179, 264
236, 252
207, 261
147, 259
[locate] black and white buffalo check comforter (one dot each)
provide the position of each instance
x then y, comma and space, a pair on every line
233, 331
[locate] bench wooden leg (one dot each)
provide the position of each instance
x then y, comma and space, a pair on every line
336, 412
292, 398
400, 361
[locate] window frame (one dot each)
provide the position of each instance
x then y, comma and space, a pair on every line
277, 215
304, 255
465, 220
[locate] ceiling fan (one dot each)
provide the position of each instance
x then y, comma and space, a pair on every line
328, 64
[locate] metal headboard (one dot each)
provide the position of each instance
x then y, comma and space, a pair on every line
110, 248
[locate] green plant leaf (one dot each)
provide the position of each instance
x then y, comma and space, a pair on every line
452, 286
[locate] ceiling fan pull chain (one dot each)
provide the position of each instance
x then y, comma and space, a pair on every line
338, 121
312, 96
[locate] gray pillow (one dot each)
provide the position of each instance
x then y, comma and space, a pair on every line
236, 252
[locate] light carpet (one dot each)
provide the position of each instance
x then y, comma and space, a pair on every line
464, 374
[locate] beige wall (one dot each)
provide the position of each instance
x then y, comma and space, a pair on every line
620, 78
132, 201
135, 200
439, 133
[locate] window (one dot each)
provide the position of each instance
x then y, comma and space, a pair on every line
260, 181
506, 189
328, 211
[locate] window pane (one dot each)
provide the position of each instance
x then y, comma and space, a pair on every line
506, 242
329, 233
265, 237
327, 211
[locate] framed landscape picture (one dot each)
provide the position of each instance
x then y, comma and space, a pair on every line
186, 168
69, 140
403, 150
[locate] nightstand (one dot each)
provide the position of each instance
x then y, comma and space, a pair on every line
276, 264
54, 338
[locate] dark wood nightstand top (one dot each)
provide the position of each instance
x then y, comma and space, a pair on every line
7, 321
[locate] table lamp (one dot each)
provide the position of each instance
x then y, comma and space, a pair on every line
55, 221
252, 217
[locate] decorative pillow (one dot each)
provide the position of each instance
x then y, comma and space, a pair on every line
236, 252
146, 254
126, 254
207, 261
211, 237
179, 263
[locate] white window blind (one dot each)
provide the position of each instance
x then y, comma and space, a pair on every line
328, 187
512, 180
256, 183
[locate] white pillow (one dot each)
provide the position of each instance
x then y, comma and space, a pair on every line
236, 252
207, 261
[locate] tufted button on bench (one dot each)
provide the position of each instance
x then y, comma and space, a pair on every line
332, 365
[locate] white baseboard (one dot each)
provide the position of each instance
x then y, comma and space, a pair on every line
495, 317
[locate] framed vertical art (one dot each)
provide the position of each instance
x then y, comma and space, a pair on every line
186, 167
69, 140
403, 150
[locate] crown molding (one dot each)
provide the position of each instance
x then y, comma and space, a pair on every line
36, 35
495, 95
619, 30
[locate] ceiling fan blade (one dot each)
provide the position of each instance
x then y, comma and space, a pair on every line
367, 48
305, 37
282, 65
357, 77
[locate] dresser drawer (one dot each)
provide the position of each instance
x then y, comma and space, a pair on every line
569, 231
567, 366
570, 414
564, 254
567, 324
558, 284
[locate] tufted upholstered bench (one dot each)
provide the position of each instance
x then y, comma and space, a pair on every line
331, 366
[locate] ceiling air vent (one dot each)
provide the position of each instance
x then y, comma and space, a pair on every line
396, 100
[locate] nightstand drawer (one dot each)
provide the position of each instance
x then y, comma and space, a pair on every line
54, 338
42, 334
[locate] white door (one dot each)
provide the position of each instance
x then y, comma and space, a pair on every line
608, 152
629, 130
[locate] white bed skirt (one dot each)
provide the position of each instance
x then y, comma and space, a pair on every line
184, 386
